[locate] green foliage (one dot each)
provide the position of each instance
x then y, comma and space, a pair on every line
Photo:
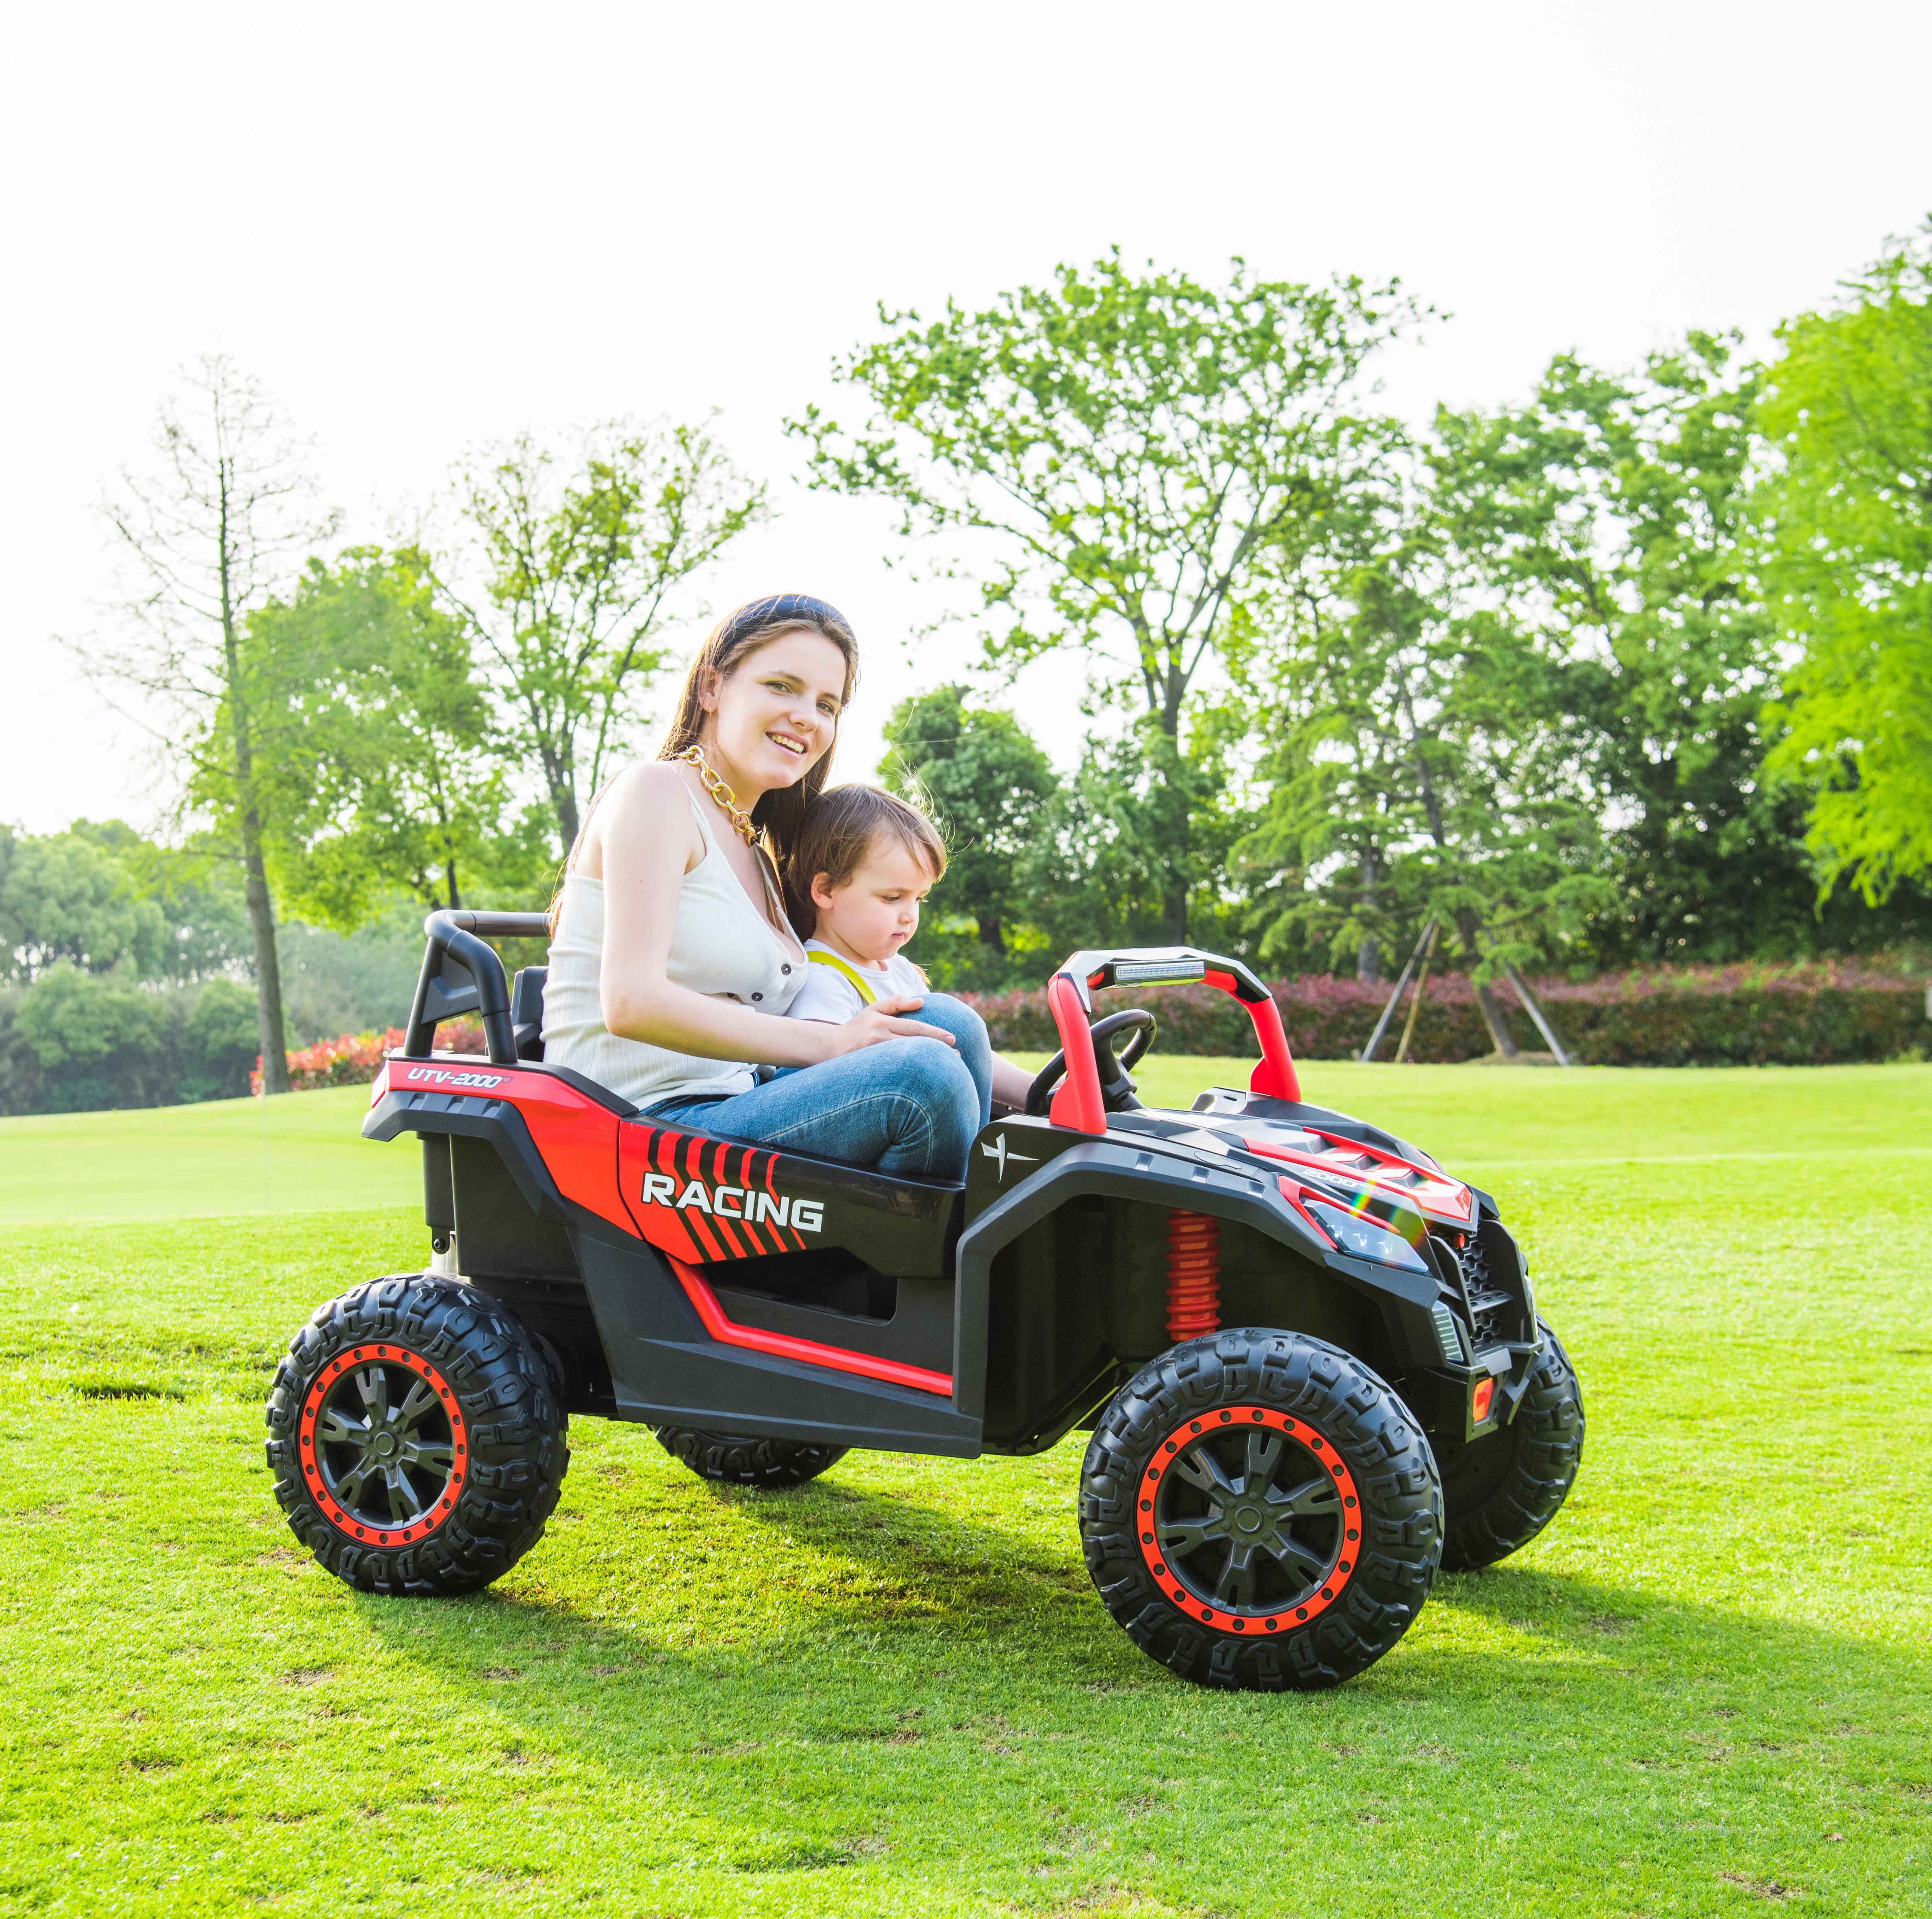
1135, 444
573, 575
75, 1041
1144, 818
65, 900
98, 1042
1847, 410
1411, 773
1734, 1016
1609, 521
400, 782
220, 1044
198, 888
980, 776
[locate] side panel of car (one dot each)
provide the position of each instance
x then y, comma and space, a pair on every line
712, 1200
1062, 1283
669, 1369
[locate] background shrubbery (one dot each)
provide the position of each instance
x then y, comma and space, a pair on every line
1697, 1016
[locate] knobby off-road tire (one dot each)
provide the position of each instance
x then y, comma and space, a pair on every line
733, 1460
418, 1441
1502, 1489
1259, 1511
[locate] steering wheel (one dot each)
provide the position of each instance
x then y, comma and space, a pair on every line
1116, 1090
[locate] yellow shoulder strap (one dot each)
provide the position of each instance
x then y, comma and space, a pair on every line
866, 991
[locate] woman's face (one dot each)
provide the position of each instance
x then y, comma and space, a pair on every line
775, 714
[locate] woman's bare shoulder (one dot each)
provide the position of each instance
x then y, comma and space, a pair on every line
648, 795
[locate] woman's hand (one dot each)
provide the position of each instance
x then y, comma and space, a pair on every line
883, 1019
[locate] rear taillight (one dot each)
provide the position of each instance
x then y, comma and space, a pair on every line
1480, 1401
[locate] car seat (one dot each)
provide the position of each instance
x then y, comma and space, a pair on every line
527, 1011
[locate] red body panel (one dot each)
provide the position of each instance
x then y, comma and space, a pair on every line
735, 1213
1436, 1194
577, 1136
1077, 1104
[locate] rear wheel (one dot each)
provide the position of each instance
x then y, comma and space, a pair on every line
734, 1460
1259, 1511
417, 1441
1502, 1489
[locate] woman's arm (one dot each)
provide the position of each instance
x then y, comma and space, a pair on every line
643, 868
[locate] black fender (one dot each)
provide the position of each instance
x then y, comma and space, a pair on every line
495, 1120
1117, 1170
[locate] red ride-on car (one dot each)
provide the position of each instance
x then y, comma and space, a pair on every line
1310, 1359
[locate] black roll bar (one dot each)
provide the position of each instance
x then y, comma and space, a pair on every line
462, 973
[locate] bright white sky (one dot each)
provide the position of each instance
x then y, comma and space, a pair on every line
423, 227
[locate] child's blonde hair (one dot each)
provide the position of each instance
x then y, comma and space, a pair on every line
839, 829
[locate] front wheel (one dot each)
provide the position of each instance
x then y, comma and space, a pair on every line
417, 1441
1259, 1511
1502, 1489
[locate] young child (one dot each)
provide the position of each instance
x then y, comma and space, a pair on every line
855, 875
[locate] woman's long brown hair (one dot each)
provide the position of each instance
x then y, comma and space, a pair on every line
781, 811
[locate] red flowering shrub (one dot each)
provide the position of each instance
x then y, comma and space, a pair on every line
1802, 1015
354, 1059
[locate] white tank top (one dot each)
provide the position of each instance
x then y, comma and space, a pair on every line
720, 945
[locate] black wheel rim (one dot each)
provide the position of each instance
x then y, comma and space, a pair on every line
1249, 1518
385, 1446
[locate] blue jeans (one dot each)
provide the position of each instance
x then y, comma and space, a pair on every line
909, 1106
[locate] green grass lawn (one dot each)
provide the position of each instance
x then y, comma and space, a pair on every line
1705, 1690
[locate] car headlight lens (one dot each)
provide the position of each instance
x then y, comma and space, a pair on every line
1367, 1238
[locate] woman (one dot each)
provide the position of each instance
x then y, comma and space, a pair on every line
673, 962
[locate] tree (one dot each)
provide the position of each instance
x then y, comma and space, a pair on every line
207, 535
1108, 854
573, 575
1135, 444
1609, 520
1848, 412
1412, 773
63, 899
984, 782
198, 889
398, 781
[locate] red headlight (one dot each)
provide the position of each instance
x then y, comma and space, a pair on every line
1479, 1404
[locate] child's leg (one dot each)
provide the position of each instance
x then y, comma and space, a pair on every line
975, 1049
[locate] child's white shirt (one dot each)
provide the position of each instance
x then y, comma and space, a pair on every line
836, 987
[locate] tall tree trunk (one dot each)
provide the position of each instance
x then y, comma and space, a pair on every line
993, 933
268, 1025
1174, 898
1368, 955
1485, 1000
455, 898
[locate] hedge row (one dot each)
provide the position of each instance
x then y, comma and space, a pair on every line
1697, 1016
1705, 1016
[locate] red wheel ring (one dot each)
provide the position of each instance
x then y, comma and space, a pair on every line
437, 1510
1323, 1589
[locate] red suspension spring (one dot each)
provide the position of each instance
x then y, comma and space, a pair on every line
1193, 1275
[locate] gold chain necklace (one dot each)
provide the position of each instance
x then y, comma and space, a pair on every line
694, 757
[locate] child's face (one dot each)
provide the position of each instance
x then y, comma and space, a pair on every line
876, 911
